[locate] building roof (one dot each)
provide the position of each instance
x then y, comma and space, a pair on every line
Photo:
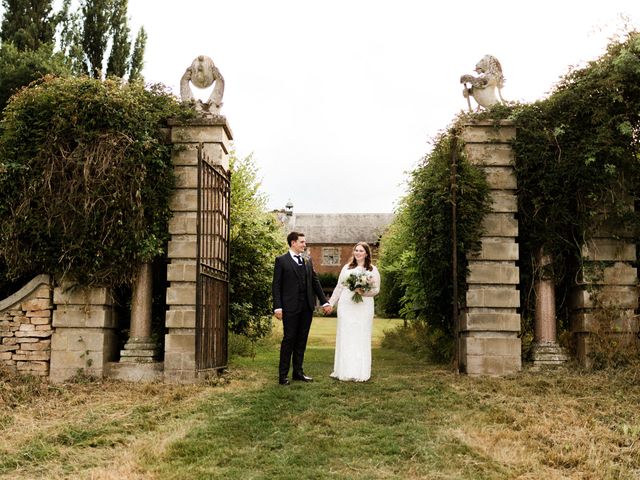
339, 228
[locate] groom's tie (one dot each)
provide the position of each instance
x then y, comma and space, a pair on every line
299, 259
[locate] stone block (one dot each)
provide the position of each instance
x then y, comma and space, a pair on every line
183, 223
185, 154
476, 365
216, 155
490, 154
43, 328
33, 334
608, 249
180, 343
40, 346
186, 176
43, 291
74, 295
500, 297
183, 248
213, 134
9, 340
5, 355
181, 272
22, 340
68, 360
497, 248
77, 316
501, 178
46, 314
621, 321
480, 320
617, 297
28, 355
9, 348
508, 346
135, 372
184, 200
489, 132
181, 319
503, 201
181, 293
40, 320
27, 327
500, 225
493, 273
620, 273
37, 304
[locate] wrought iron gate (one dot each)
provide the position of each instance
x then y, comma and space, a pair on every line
212, 289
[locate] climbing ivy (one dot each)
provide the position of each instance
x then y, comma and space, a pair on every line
86, 177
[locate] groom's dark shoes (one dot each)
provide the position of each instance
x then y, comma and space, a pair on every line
283, 381
302, 377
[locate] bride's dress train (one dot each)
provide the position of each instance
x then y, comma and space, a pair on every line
352, 360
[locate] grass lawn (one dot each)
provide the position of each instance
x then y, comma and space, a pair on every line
410, 421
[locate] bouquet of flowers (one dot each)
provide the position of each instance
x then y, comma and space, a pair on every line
359, 280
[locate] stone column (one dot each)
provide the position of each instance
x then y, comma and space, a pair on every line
213, 136
490, 322
604, 302
138, 359
85, 337
546, 351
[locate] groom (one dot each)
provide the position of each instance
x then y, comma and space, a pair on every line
295, 288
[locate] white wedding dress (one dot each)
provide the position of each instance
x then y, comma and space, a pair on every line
352, 360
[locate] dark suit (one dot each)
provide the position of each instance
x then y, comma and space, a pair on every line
295, 288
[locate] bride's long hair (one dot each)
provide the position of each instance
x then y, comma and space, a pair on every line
367, 259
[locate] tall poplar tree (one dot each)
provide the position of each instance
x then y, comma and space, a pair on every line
28, 24
137, 57
95, 33
119, 59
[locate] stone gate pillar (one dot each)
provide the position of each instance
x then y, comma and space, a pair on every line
213, 136
490, 322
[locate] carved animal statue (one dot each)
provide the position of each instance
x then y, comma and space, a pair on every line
202, 73
483, 87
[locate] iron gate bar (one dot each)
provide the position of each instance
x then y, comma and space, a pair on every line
212, 265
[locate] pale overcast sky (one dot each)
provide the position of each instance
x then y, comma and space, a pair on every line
338, 99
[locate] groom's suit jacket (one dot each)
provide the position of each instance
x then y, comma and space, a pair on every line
294, 285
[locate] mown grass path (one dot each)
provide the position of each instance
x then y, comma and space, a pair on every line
410, 421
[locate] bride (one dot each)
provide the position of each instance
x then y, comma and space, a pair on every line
355, 316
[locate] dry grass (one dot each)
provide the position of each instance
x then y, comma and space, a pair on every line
95, 429
567, 424
556, 425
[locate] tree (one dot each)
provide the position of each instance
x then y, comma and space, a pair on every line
95, 33
118, 63
256, 239
137, 57
28, 24
19, 68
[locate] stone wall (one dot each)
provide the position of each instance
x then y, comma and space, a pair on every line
85, 338
604, 303
25, 328
490, 324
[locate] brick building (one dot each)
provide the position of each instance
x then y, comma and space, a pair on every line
332, 236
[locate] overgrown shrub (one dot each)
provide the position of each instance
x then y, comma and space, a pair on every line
255, 240
416, 254
86, 176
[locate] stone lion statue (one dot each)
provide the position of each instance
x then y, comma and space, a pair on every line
203, 73
483, 87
